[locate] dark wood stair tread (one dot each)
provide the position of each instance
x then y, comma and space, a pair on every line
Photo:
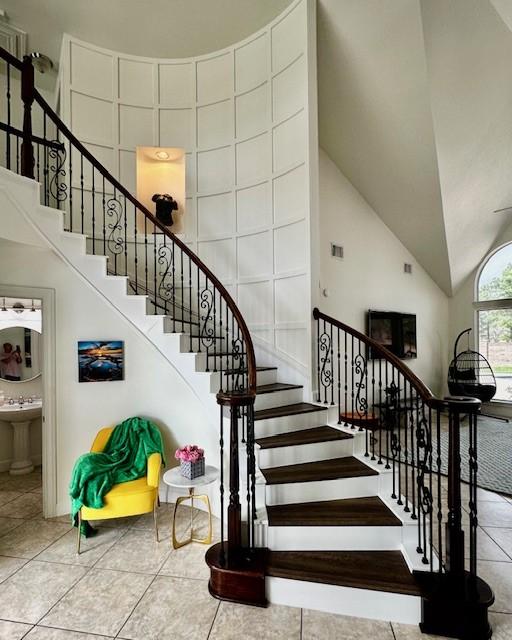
360, 420
276, 386
374, 570
349, 512
348, 467
287, 410
304, 436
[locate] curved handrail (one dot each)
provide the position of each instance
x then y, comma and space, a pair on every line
251, 358
423, 391
12, 60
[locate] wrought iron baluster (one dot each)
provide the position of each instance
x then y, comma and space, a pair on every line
331, 357
439, 492
8, 134
221, 445
82, 193
318, 358
146, 265
473, 493
155, 300
93, 197
406, 445
399, 437
182, 293
352, 426
431, 511
125, 224
338, 360
104, 205
135, 250
414, 403
70, 156
345, 386
190, 302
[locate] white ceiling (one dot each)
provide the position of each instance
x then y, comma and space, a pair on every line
153, 28
415, 99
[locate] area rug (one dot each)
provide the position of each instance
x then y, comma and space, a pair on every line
494, 450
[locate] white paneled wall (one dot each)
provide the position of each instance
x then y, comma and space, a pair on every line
243, 116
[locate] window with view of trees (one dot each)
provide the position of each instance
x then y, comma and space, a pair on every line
494, 306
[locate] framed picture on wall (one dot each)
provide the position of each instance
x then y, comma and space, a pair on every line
100, 360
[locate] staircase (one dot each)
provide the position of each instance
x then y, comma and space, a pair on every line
336, 504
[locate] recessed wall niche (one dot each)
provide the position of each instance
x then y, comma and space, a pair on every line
161, 173
241, 115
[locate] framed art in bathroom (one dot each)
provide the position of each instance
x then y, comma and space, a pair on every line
100, 360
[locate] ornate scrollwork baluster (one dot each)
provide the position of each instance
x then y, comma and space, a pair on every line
425, 501
57, 159
325, 363
361, 401
115, 240
166, 285
207, 330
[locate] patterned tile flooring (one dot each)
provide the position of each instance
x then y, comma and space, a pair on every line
125, 585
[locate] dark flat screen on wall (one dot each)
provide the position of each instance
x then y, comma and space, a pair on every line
393, 330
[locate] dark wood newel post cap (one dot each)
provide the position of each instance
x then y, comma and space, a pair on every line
236, 398
462, 404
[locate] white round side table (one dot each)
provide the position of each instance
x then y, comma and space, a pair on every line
173, 478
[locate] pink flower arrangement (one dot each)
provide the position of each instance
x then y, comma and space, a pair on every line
189, 453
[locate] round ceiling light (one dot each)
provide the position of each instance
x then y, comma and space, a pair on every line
162, 155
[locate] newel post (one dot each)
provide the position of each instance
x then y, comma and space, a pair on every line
234, 401
27, 97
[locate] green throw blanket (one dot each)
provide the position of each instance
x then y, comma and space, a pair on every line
124, 458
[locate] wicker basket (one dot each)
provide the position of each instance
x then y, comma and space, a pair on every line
192, 470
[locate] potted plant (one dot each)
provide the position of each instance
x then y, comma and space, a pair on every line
191, 459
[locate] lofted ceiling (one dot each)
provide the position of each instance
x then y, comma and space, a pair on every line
415, 99
415, 104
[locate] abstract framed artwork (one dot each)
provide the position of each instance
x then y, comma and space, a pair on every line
100, 360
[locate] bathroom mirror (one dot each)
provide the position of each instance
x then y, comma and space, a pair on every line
20, 354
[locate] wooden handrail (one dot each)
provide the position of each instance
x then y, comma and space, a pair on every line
423, 391
251, 358
10, 59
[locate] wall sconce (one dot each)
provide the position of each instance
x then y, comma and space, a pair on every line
161, 183
41, 62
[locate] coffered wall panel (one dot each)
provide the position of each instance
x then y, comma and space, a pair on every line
242, 116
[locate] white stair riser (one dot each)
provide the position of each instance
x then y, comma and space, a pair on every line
268, 376
277, 399
273, 426
281, 456
363, 603
297, 492
334, 538
226, 362
201, 344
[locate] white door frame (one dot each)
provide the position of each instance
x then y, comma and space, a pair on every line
49, 422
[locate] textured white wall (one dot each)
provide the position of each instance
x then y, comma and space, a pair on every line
152, 387
371, 274
243, 116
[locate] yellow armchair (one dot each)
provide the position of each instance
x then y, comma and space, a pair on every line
132, 498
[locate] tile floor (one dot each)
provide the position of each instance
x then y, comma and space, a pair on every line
125, 585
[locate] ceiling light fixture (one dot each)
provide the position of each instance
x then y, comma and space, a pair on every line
162, 155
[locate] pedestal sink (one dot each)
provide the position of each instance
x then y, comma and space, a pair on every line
20, 417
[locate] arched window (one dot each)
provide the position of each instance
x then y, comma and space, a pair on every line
494, 310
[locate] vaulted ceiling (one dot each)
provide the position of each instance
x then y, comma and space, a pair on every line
415, 99
416, 110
